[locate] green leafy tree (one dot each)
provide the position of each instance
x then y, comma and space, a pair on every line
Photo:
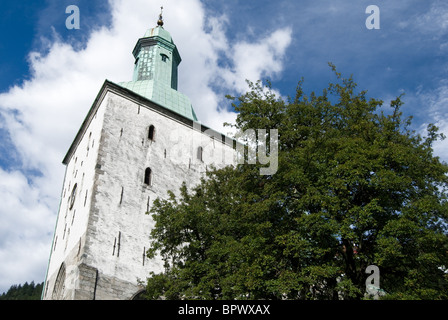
354, 187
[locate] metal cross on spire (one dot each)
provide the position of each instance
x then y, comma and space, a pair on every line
160, 21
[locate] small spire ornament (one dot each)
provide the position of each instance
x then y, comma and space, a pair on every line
160, 21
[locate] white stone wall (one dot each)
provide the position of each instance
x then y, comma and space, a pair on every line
71, 223
109, 229
122, 198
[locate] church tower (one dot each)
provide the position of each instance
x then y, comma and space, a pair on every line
139, 140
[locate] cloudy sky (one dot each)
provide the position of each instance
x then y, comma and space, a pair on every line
50, 75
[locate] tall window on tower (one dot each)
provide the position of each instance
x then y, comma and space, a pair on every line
151, 133
148, 177
199, 153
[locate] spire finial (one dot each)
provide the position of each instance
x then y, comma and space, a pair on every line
160, 21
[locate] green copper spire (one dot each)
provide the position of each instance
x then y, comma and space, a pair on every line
155, 71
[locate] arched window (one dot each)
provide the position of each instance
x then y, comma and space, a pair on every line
139, 295
59, 285
148, 174
199, 154
151, 132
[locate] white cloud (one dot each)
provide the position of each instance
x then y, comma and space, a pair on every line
253, 61
25, 230
437, 113
435, 21
438, 101
43, 114
429, 24
441, 146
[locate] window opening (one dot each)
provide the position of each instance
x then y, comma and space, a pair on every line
148, 174
73, 196
59, 284
151, 132
199, 154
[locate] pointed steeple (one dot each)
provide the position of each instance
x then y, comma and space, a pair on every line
155, 70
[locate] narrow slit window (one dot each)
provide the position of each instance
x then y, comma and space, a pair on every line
79, 247
148, 177
199, 154
151, 132
85, 198
88, 142
118, 244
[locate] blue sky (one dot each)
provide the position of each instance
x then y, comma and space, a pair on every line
24, 23
49, 77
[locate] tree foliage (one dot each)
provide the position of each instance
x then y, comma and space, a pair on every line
27, 291
355, 186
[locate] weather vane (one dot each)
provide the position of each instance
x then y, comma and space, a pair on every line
160, 22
